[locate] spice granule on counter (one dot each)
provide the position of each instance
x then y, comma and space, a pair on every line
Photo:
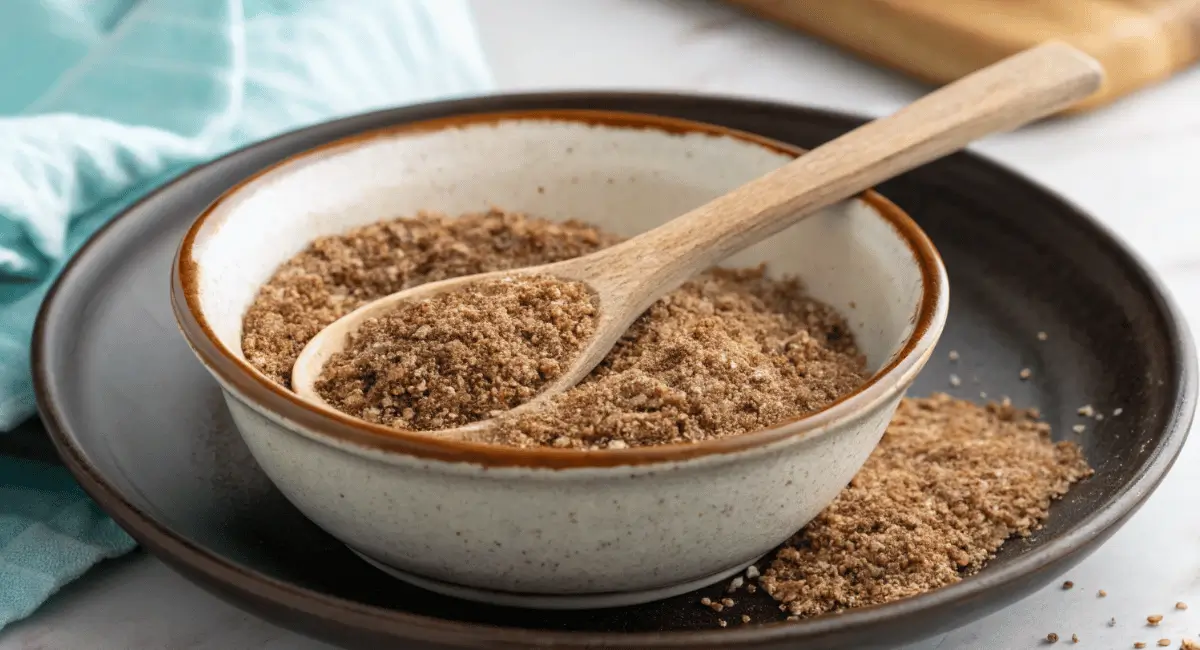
460, 356
949, 482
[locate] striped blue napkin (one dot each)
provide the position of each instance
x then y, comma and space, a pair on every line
100, 101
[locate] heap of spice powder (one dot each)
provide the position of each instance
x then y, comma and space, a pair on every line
460, 356
947, 485
730, 352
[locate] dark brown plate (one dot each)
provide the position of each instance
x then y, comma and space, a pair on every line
143, 427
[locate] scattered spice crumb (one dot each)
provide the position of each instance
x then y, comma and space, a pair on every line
1068, 585
1074, 638
1154, 619
728, 602
1086, 410
717, 607
1099, 417
953, 355
1042, 336
949, 482
721, 622
706, 601
1078, 428
745, 618
1117, 411
1025, 373
735, 584
751, 589
954, 380
1052, 637
1180, 605
752, 572
1101, 593
1112, 622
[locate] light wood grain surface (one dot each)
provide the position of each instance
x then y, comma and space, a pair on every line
1139, 42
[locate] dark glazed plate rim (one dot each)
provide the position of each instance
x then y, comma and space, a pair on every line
269, 594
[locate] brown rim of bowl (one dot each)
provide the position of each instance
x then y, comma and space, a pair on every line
254, 387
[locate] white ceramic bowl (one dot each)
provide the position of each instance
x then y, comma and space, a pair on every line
556, 528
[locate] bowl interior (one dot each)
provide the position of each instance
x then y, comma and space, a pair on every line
626, 178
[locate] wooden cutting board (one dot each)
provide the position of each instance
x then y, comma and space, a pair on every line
1139, 42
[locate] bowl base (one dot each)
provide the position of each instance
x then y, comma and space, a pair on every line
552, 601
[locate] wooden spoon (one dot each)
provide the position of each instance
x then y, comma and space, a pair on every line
629, 277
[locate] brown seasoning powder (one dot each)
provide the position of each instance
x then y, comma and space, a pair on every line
337, 274
729, 352
460, 356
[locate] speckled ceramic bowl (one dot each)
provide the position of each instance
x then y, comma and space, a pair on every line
556, 528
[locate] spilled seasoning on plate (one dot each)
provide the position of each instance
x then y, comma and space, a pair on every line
947, 485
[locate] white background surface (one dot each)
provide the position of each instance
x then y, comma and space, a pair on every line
1133, 164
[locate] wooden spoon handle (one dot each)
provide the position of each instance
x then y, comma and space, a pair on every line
1017, 90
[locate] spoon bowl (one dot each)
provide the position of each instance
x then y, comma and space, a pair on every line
333, 338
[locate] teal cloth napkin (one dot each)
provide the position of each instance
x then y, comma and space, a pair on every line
101, 101
50, 533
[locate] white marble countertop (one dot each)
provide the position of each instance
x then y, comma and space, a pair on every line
1132, 164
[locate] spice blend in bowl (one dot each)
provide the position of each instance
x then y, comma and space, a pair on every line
527, 522
728, 353
336, 274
